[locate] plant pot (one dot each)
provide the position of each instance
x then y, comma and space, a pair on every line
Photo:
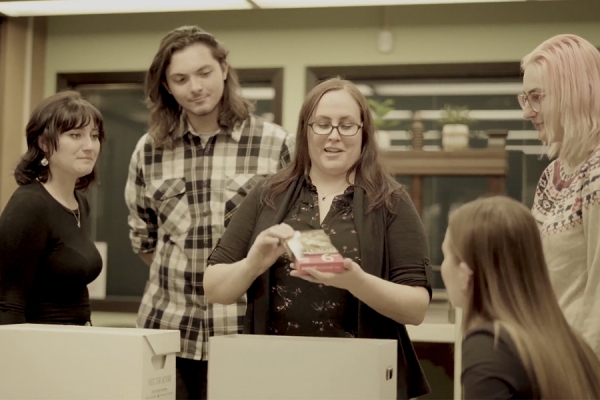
383, 140
455, 137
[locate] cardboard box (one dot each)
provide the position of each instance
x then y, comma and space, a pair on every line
293, 367
84, 362
313, 249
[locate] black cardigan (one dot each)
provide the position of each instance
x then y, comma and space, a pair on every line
252, 217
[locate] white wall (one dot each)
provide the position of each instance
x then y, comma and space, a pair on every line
295, 39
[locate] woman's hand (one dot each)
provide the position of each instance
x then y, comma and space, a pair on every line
342, 280
267, 247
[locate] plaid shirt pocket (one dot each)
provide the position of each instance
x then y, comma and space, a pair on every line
236, 189
171, 203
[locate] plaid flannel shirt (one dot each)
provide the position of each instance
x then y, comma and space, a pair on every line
180, 202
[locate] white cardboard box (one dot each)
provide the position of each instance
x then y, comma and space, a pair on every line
84, 362
292, 367
97, 288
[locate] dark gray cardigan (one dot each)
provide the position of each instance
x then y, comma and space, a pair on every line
412, 266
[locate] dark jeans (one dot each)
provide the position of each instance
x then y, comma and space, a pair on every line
191, 379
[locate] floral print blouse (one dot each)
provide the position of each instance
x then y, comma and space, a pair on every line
302, 308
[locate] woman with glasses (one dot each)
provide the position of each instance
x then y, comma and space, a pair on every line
562, 98
335, 183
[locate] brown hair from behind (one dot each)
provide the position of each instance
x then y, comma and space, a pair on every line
165, 113
53, 116
371, 175
500, 240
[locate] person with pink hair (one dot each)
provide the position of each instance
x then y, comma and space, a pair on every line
561, 97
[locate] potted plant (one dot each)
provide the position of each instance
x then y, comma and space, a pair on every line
379, 111
455, 123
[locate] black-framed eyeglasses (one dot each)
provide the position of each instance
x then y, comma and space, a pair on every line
534, 100
325, 128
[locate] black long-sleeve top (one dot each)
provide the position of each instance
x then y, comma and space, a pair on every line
392, 246
46, 260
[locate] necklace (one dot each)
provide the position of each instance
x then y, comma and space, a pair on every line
76, 215
324, 196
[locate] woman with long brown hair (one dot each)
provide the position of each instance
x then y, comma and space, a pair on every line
335, 184
517, 342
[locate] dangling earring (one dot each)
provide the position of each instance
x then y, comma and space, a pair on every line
44, 162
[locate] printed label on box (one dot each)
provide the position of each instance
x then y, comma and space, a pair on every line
313, 248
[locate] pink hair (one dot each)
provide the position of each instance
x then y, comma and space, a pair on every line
570, 71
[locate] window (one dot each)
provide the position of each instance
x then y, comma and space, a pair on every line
487, 91
120, 98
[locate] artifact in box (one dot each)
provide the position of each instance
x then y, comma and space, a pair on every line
308, 249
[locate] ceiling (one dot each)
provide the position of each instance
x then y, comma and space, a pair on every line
83, 7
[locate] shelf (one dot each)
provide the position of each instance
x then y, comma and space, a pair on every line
472, 162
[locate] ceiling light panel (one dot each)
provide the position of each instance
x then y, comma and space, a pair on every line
355, 3
82, 7
449, 89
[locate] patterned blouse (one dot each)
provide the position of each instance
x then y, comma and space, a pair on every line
302, 308
567, 208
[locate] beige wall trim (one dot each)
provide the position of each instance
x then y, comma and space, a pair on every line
22, 67
38, 61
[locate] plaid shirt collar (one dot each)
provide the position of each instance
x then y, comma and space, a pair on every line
185, 128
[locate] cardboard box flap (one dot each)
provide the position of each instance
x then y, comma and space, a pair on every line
87, 330
261, 339
165, 342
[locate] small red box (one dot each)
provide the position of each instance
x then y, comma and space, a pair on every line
323, 262
313, 249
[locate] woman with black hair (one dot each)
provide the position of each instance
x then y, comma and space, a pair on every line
47, 257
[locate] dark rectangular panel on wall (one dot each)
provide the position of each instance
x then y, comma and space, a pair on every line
271, 76
403, 97
413, 71
120, 98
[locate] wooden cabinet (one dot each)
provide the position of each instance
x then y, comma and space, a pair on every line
490, 163
439, 181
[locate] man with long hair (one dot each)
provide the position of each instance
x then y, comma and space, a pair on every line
202, 154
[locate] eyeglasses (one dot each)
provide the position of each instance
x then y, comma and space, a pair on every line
325, 128
534, 100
